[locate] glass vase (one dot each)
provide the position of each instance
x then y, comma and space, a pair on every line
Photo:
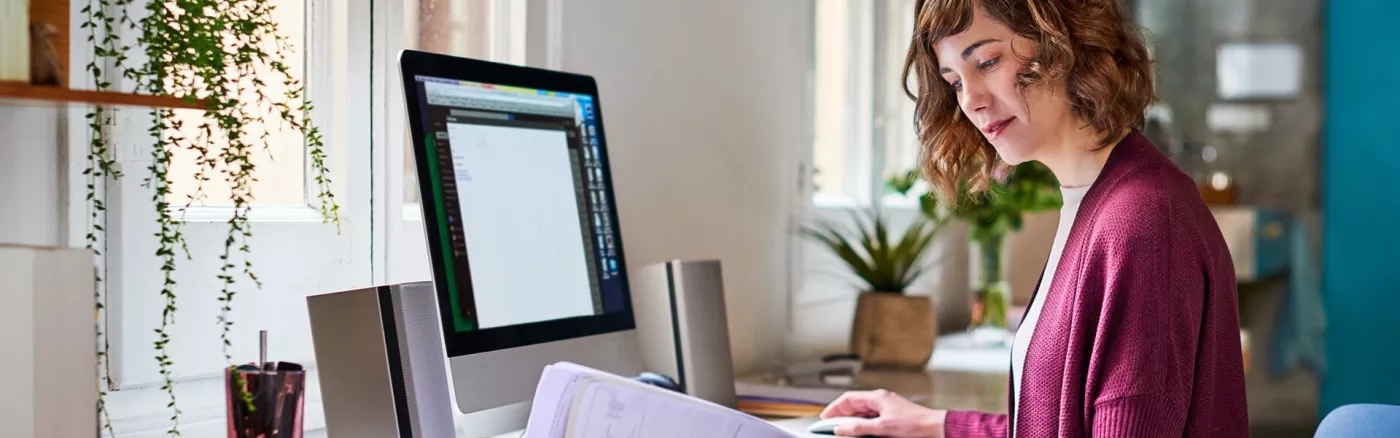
991, 295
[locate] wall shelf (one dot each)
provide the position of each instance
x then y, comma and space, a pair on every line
49, 95
56, 14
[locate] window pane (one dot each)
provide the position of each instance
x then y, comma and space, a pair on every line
829, 150
842, 122
281, 168
902, 148
493, 30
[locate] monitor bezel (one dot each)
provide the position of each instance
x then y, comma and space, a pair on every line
415, 63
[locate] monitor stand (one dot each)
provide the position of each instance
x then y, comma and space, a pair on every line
493, 391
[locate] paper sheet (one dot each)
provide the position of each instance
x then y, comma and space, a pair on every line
573, 401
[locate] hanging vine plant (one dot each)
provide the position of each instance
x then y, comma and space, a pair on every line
212, 51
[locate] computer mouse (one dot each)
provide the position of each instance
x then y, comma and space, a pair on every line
658, 380
828, 426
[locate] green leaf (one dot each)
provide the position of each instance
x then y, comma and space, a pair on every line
884, 261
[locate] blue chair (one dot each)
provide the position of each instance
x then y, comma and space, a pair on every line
1361, 420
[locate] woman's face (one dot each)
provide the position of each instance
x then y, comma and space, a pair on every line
981, 64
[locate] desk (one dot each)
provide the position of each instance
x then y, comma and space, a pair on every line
931, 388
938, 389
935, 389
960, 375
959, 352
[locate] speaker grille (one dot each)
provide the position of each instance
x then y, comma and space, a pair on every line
425, 375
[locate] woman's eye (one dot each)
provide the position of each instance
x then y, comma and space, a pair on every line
988, 63
957, 85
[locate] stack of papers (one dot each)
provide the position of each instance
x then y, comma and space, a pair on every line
574, 401
787, 394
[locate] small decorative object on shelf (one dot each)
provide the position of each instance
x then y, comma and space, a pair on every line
44, 65
14, 40
265, 400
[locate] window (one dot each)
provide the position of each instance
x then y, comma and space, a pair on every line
493, 30
863, 121
282, 171
862, 134
293, 253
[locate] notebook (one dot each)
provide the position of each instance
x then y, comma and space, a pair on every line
574, 401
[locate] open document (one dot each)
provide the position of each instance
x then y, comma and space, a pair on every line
574, 401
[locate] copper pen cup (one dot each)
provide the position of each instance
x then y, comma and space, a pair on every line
264, 404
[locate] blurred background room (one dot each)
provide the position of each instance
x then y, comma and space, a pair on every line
760, 134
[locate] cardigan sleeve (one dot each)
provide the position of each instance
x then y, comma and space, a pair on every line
1142, 365
972, 424
1139, 415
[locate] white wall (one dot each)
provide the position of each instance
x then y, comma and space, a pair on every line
703, 106
30, 204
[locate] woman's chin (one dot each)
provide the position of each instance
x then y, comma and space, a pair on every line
1012, 154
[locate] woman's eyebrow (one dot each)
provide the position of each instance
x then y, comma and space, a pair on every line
966, 53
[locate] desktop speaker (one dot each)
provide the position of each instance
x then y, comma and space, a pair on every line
682, 328
381, 362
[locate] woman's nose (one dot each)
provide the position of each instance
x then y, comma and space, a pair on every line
974, 96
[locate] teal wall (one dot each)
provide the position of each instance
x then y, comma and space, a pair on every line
1361, 202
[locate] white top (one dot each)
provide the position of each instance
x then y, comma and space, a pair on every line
1072, 198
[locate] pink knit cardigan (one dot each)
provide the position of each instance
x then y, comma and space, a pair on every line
1139, 333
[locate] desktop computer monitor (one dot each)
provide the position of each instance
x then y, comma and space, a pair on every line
521, 225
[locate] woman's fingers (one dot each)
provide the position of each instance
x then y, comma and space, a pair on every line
852, 404
871, 427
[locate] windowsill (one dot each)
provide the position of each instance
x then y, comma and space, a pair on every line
143, 412
260, 214
833, 202
840, 202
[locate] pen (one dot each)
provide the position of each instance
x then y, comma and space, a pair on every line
262, 351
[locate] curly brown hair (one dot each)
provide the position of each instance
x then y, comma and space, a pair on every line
1089, 44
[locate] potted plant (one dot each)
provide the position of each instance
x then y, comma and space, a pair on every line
891, 328
991, 215
210, 51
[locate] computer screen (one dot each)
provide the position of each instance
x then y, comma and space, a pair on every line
515, 181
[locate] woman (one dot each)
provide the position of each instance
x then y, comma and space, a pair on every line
1132, 330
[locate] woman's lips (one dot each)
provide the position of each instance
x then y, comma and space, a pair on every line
994, 130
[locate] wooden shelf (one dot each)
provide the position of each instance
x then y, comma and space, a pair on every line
56, 14
47, 95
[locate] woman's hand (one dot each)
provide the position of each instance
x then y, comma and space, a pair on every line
887, 415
